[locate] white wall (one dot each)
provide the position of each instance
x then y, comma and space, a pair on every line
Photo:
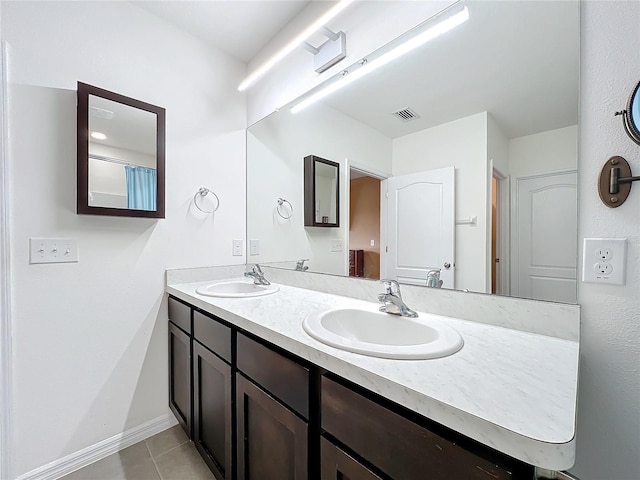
462, 144
552, 151
89, 339
608, 434
276, 148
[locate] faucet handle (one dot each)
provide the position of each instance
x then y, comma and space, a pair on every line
256, 268
392, 286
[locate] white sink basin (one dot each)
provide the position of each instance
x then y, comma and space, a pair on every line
379, 334
236, 289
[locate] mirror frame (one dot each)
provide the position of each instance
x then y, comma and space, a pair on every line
632, 128
310, 191
83, 207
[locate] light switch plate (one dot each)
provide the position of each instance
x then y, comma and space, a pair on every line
237, 248
254, 247
53, 250
604, 260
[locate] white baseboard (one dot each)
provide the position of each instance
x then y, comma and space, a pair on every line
86, 456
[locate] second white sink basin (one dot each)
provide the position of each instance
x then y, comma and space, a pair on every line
379, 334
236, 289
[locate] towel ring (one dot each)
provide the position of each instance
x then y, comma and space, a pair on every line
203, 192
282, 201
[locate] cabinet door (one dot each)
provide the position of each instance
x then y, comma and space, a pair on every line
212, 404
272, 440
337, 465
397, 446
180, 376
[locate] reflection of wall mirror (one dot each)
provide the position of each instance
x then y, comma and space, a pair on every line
321, 192
121, 149
497, 100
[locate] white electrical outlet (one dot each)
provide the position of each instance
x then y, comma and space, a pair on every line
53, 250
373, 243
254, 247
336, 245
604, 260
237, 248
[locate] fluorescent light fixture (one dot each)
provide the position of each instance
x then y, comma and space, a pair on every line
370, 66
293, 44
98, 135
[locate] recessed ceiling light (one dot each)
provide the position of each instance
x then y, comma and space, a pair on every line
98, 135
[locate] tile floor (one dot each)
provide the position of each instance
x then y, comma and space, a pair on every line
169, 455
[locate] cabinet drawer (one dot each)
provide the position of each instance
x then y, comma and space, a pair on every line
284, 378
402, 449
213, 335
180, 314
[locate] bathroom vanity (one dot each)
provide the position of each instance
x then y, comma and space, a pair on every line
257, 394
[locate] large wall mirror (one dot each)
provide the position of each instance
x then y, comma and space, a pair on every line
461, 156
121, 149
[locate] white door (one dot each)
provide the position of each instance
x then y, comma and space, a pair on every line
544, 237
418, 212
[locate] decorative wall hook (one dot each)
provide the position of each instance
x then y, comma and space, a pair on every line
615, 181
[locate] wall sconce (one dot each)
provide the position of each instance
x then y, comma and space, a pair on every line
330, 52
615, 182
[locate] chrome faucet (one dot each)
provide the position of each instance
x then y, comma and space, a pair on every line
433, 278
257, 275
392, 300
300, 266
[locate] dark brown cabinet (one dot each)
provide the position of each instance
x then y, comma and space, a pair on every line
180, 376
402, 449
212, 411
257, 412
338, 465
272, 440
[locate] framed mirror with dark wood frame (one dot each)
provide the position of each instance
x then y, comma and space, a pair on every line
121, 155
321, 192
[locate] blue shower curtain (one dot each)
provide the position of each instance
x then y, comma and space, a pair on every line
141, 188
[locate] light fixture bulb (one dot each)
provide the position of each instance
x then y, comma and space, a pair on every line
293, 44
98, 135
367, 67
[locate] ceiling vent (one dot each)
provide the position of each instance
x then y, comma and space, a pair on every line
406, 114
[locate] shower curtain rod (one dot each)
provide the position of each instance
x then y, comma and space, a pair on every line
117, 160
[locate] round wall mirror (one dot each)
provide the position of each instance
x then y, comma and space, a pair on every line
632, 115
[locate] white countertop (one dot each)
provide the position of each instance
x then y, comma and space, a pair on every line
511, 390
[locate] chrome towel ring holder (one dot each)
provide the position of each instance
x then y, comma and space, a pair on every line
203, 192
281, 202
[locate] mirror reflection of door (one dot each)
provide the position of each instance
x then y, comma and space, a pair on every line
364, 225
122, 156
420, 226
544, 228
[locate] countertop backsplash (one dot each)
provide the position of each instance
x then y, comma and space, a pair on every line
533, 316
